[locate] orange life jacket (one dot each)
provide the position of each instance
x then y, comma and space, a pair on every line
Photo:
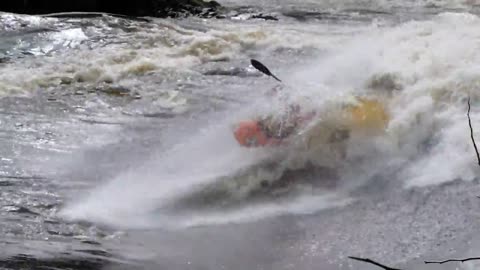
250, 134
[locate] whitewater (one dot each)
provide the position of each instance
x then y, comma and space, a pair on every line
118, 137
427, 75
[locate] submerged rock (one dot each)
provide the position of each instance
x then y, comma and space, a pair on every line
19, 210
236, 71
115, 90
384, 82
266, 17
180, 8
4, 59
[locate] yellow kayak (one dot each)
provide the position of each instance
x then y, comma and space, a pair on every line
364, 115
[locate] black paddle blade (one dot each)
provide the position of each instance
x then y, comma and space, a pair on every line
262, 68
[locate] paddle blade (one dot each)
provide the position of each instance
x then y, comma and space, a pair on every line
262, 68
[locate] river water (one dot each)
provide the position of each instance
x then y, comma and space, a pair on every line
117, 146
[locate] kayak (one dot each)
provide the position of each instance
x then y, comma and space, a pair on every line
362, 115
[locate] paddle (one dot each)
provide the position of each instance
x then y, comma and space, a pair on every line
262, 68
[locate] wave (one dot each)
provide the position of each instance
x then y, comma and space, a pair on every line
422, 71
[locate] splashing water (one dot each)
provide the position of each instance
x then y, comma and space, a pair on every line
422, 71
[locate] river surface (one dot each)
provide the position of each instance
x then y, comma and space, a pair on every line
117, 149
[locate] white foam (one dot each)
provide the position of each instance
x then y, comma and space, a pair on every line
204, 157
435, 62
162, 46
307, 204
